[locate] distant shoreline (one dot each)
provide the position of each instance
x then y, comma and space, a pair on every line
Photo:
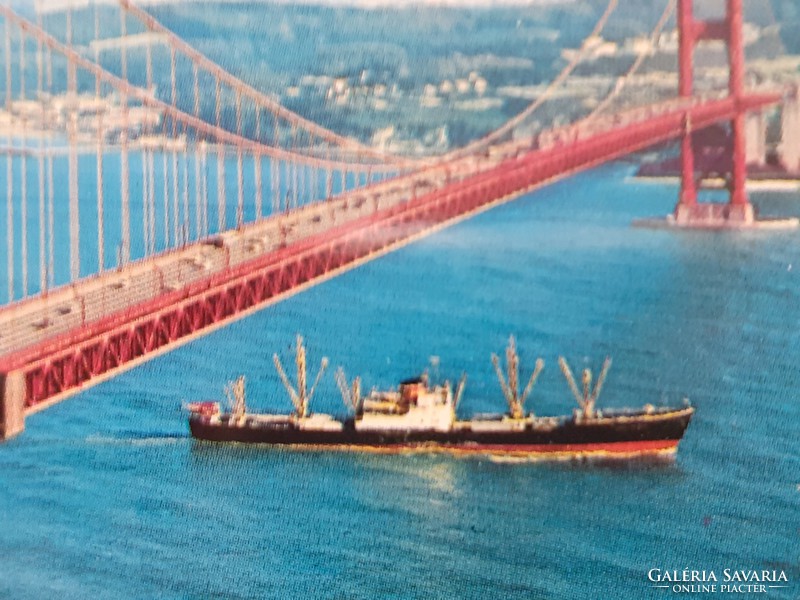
789, 183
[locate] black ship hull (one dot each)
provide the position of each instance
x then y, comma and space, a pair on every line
622, 435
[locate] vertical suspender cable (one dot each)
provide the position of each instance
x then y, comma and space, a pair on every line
221, 221
51, 254
151, 197
314, 181
283, 174
40, 169
328, 178
145, 203
275, 174
50, 191
125, 246
198, 208
9, 175
100, 135
204, 182
185, 220
23, 179
196, 91
198, 216
257, 168
239, 168
294, 168
148, 173
165, 172
148, 59
272, 192
301, 183
175, 208
174, 88
174, 102
273, 187
74, 217
240, 189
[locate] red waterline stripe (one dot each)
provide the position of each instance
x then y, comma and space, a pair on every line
620, 448
612, 447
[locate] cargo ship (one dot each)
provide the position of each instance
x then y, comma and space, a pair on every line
421, 417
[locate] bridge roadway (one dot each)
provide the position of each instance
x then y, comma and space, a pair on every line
55, 345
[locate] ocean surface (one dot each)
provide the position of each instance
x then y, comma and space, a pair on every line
106, 496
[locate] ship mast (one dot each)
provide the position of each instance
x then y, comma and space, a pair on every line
234, 391
351, 395
300, 397
462, 383
510, 383
588, 398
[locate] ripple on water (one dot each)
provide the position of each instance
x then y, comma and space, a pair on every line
108, 491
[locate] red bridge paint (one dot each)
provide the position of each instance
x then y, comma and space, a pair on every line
63, 365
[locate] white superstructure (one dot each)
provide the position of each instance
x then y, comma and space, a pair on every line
414, 408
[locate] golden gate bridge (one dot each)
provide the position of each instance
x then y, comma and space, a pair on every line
180, 250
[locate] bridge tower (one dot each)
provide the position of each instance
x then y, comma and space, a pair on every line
738, 211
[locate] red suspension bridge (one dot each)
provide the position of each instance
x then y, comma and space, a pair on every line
204, 215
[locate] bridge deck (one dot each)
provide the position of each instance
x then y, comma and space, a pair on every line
69, 307
52, 347
66, 308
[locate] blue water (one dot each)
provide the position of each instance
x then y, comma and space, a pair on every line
106, 496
